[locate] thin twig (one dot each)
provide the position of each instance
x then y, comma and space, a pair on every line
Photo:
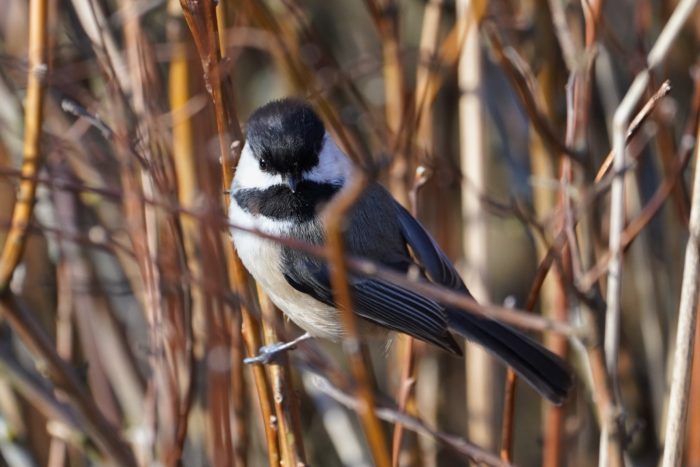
638, 120
385, 14
94, 22
201, 19
291, 438
33, 117
186, 173
512, 64
576, 99
425, 79
64, 348
32, 335
408, 366
36, 391
610, 448
508, 425
335, 244
592, 10
636, 225
357, 264
473, 452
480, 371
564, 36
685, 337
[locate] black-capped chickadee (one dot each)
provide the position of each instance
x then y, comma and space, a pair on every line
289, 169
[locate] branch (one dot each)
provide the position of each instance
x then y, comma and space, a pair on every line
32, 335
685, 337
473, 452
34, 109
201, 19
617, 211
339, 280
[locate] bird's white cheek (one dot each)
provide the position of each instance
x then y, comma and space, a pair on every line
249, 175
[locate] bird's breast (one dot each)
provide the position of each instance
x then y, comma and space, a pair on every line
262, 257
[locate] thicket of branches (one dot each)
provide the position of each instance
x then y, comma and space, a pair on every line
548, 145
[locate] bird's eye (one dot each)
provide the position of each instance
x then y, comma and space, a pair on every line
263, 164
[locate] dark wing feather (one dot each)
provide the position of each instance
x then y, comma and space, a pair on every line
380, 302
403, 310
435, 263
541, 368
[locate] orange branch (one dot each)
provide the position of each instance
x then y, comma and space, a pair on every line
33, 117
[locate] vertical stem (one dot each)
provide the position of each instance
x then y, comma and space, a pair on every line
693, 452
617, 222
33, 117
610, 449
577, 100
480, 369
609, 439
407, 355
426, 82
291, 438
407, 382
201, 19
238, 342
336, 213
508, 426
58, 449
610, 453
554, 416
188, 190
386, 16
685, 337
61, 374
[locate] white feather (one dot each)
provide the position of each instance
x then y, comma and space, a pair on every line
262, 257
249, 174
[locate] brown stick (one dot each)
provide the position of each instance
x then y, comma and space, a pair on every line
477, 454
33, 117
201, 19
186, 172
693, 450
341, 290
685, 338
63, 377
512, 65
385, 15
291, 438
640, 118
408, 367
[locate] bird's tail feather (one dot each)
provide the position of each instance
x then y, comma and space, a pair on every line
543, 370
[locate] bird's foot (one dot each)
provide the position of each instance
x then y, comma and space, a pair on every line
269, 353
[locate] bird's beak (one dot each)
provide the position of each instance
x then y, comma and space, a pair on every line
292, 182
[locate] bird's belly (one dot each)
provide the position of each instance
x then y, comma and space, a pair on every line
262, 259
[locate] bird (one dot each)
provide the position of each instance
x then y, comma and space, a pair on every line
289, 169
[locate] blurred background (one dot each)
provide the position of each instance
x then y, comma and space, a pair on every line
125, 314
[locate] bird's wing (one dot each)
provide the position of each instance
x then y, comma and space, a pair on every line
541, 368
378, 301
427, 253
403, 310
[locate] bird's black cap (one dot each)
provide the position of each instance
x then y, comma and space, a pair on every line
287, 135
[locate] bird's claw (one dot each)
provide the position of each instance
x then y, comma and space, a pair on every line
271, 352
267, 354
